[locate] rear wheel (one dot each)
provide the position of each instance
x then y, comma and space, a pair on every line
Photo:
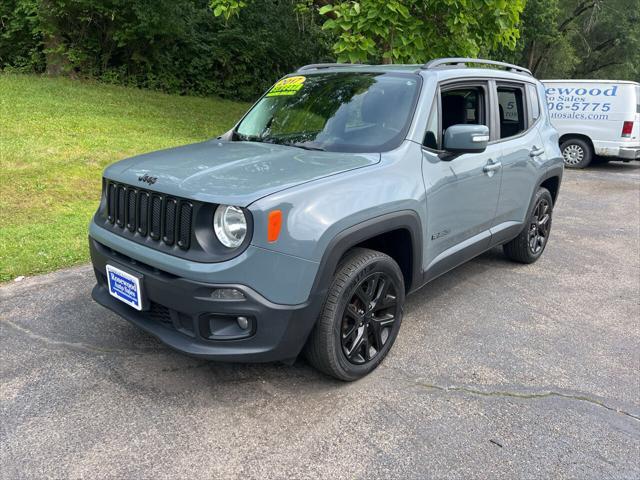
361, 316
529, 245
577, 153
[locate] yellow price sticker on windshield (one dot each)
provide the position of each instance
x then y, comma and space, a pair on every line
287, 86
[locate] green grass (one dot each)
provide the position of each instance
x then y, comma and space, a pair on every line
56, 137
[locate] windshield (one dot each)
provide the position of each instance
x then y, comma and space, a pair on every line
349, 112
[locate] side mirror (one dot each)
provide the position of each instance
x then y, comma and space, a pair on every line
466, 139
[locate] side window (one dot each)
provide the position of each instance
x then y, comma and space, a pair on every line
534, 102
463, 105
460, 105
511, 111
431, 136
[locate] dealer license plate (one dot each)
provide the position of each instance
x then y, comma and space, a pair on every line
125, 287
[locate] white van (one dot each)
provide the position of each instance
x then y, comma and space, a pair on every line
600, 117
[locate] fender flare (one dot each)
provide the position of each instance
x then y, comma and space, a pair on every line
556, 171
356, 234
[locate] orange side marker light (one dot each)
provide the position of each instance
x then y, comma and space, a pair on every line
275, 224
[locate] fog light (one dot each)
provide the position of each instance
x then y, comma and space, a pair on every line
226, 327
243, 322
227, 294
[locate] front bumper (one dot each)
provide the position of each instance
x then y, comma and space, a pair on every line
180, 313
632, 153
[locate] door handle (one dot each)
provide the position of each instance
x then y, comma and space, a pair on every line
536, 151
492, 167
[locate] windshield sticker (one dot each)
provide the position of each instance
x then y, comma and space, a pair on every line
287, 86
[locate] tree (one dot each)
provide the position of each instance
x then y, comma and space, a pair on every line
608, 41
410, 31
579, 39
171, 45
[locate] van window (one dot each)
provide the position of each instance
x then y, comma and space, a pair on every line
637, 99
511, 111
534, 102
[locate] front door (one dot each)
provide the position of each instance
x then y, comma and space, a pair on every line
462, 192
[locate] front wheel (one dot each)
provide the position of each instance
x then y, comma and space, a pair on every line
361, 316
529, 245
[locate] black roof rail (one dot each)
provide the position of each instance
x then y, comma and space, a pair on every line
461, 62
318, 66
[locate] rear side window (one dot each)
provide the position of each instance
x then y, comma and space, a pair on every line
637, 99
534, 102
511, 111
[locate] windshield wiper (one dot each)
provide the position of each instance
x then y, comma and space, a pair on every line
304, 146
246, 138
255, 138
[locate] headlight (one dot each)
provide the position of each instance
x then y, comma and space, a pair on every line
230, 225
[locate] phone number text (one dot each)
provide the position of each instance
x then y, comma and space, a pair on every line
579, 106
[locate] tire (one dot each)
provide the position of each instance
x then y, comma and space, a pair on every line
576, 153
346, 321
528, 246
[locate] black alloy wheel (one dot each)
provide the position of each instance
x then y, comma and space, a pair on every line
361, 316
539, 226
528, 246
368, 318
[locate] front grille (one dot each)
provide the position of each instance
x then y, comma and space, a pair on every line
131, 209
121, 206
184, 235
154, 215
170, 218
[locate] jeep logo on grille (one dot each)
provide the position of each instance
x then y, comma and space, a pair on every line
148, 179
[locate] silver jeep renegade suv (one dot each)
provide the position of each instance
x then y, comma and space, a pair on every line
343, 189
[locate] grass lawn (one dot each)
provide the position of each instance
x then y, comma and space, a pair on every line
56, 137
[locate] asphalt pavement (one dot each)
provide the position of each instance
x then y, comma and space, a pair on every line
499, 371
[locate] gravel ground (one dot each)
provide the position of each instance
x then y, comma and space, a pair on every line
500, 370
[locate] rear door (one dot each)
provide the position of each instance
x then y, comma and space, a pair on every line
522, 154
462, 193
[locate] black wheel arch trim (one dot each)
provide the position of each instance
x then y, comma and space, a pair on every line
356, 234
553, 172
349, 238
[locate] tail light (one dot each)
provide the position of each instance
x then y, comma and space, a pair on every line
627, 128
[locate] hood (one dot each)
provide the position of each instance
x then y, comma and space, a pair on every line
235, 173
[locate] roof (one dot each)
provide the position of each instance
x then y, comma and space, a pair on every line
589, 81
